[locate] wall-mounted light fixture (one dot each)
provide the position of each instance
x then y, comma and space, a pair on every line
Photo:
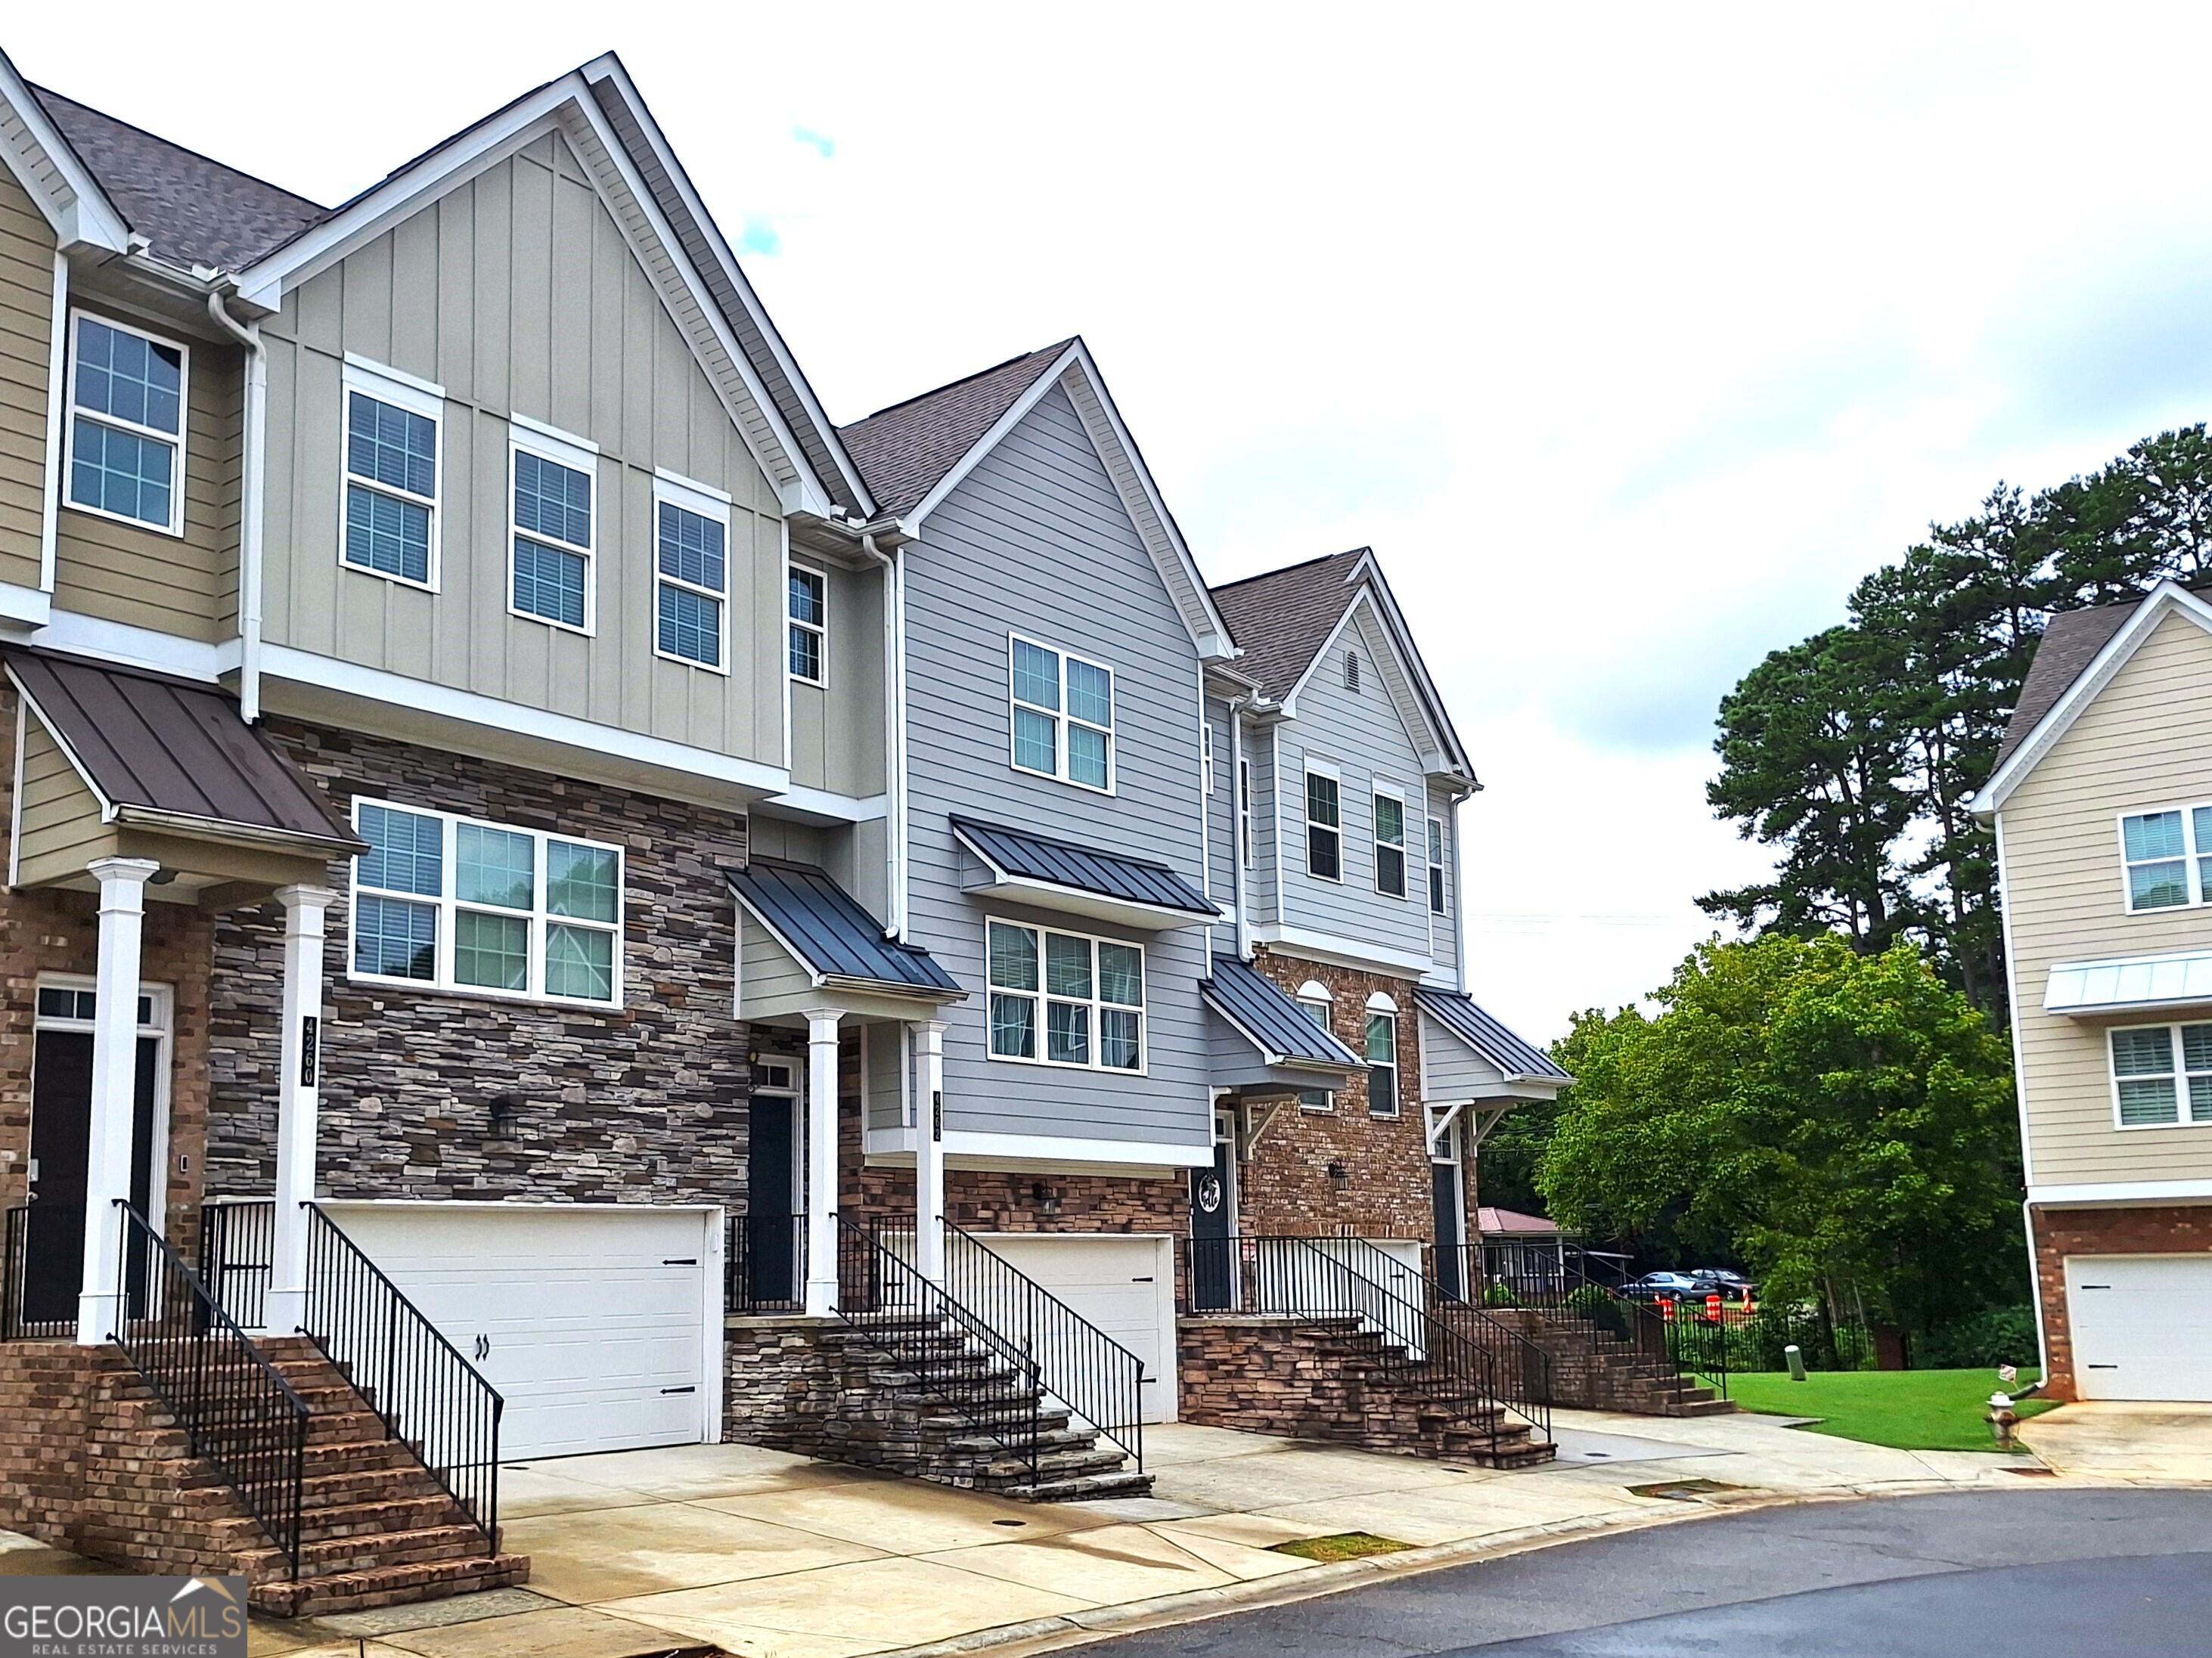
1045, 1198
1338, 1175
504, 1108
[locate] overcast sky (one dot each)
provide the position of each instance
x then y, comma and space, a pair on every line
1628, 337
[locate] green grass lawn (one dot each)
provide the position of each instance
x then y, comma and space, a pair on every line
1911, 1410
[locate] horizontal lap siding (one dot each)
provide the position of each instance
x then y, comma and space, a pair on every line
1360, 734
1443, 930
26, 309
518, 293
1035, 541
2145, 741
61, 830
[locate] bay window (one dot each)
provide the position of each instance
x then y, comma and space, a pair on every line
1065, 998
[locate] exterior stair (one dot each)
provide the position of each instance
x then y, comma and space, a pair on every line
1594, 1369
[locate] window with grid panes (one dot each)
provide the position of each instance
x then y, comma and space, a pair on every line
693, 564
2162, 1075
1066, 998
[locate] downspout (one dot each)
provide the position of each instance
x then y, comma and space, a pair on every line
250, 506
894, 838
1239, 807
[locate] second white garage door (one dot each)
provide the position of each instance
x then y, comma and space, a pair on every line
1122, 1283
592, 1320
2142, 1325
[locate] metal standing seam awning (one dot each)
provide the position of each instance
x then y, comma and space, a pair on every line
1108, 886
1268, 1018
1516, 1058
161, 767
835, 942
2129, 984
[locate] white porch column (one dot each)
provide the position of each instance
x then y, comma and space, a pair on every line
821, 1162
114, 1090
298, 1099
929, 1154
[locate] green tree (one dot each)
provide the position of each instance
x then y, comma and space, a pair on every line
1841, 1122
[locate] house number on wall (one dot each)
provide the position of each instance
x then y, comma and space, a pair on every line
310, 1040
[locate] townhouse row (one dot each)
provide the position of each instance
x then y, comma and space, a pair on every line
489, 756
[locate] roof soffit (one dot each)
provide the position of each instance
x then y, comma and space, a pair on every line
1437, 747
52, 173
2167, 598
565, 106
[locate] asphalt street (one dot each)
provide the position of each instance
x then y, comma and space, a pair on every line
2006, 1574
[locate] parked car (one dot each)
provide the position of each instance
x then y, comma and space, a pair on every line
1680, 1286
1734, 1285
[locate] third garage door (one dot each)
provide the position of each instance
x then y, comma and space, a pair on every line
1124, 1284
2142, 1325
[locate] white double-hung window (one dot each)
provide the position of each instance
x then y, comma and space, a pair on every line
555, 516
126, 430
691, 562
1062, 715
1381, 1056
2166, 857
456, 903
390, 513
1436, 866
808, 605
1065, 998
2162, 1075
1389, 844
1324, 825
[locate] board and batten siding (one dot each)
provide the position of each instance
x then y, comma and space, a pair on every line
837, 730
1268, 845
2145, 741
1361, 736
1221, 813
27, 325
1035, 541
518, 293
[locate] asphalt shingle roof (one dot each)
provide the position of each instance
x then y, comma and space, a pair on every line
1264, 1012
1511, 1055
192, 209
904, 452
833, 935
1282, 618
1084, 869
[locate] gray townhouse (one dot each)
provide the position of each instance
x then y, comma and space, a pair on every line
521, 831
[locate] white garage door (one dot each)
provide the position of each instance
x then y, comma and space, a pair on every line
1124, 1284
593, 1320
2141, 1325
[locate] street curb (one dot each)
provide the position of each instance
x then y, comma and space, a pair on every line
1040, 1635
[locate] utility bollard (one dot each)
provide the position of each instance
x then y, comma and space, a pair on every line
1797, 1362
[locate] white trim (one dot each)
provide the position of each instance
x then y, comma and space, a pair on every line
1450, 757
1313, 990
2177, 1075
1043, 997
1381, 1002
78, 635
80, 211
177, 441
2192, 859
2097, 1194
820, 629
16, 795
1309, 769
670, 491
28, 605
57, 357
1378, 792
163, 1027
1397, 1078
2020, 1071
544, 443
1333, 949
403, 391
2088, 686
1146, 1154
1063, 718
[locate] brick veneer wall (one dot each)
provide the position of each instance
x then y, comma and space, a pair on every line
1287, 1188
641, 1103
45, 930
2174, 1229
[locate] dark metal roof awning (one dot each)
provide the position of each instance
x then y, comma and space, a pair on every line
1272, 1020
826, 931
1062, 875
173, 755
1516, 1058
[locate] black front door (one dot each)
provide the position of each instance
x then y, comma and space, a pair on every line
61, 1143
1443, 1179
771, 1201
1212, 1260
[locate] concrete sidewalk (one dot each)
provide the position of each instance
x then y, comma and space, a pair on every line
766, 1555
2150, 1444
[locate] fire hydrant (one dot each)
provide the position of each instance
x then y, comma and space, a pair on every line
2002, 1419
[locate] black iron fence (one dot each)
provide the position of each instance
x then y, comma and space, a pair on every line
764, 1263
954, 1355
33, 1231
429, 1398
1459, 1358
1098, 1379
239, 1415
238, 1239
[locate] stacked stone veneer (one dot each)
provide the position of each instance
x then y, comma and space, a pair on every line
2150, 1230
638, 1104
1328, 1378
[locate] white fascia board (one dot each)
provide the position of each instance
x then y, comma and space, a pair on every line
51, 175
2168, 597
967, 1143
807, 804
1335, 951
609, 66
26, 606
284, 662
1416, 669
1440, 749
1074, 901
119, 642
1280, 1061
911, 524
2103, 1193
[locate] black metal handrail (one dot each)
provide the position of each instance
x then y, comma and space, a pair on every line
765, 1263
239, 1414
429, 1398
1098, 1379
238, 1240
1582, 1307
955, 1356
1332, 1279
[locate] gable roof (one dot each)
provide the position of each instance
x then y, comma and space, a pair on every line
2079, 653
905, 450
192, 211
1517, 1059
1283, 617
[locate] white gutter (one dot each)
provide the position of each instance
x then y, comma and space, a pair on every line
250, 505
1239, 808
894, 847
57, 378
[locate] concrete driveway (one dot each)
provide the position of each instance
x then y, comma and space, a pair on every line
2161, 1443
759, 1554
